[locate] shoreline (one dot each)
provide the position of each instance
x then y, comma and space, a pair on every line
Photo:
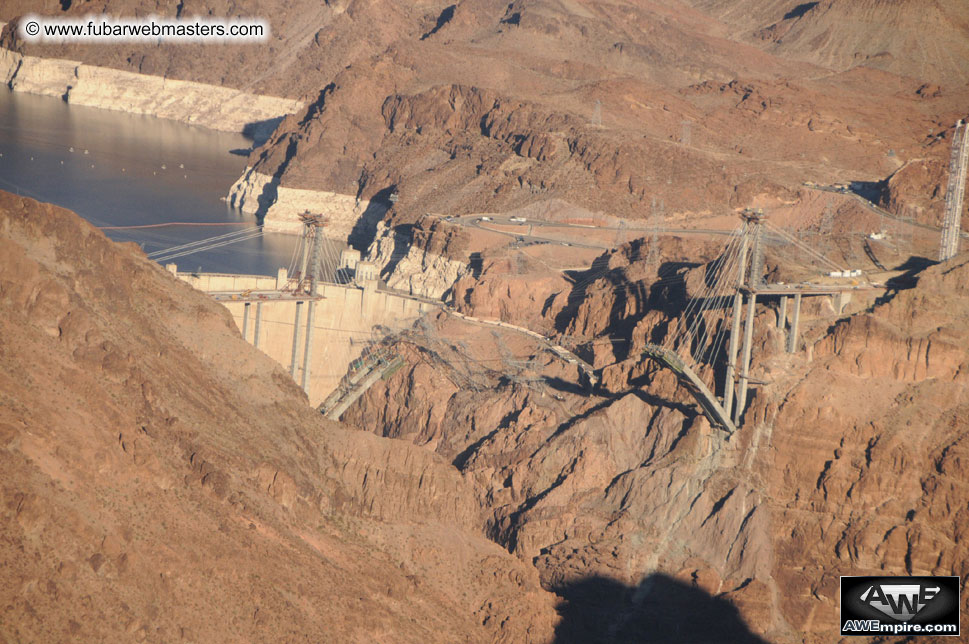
211, 106
199, 104
259, 194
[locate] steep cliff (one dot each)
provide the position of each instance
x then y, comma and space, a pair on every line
163, 480
424, 259
846, 462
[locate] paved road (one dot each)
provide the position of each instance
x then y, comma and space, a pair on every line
477, 221
474, 221
881, 211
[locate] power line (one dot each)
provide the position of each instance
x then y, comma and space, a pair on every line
201, 242
176, 223
190, 251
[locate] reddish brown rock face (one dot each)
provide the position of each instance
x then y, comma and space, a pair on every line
144, 475
918, 188
486, 106
842, 34
846, 462
165, 481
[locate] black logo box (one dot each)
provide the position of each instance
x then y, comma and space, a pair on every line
940, 607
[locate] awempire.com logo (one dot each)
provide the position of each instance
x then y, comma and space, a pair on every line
899, 606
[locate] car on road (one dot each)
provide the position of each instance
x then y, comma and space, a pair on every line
517, 220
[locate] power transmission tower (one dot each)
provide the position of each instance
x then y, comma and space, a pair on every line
954, 194
824, 230
597, 114
621, 232
652, 252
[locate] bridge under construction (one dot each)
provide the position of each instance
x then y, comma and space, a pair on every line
735, 282
724, 310
708, 347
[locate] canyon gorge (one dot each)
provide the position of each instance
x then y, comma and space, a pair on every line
551, 184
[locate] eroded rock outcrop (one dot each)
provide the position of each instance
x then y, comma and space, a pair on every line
425, 259
163, 480
279, 208
845, 464
212, 106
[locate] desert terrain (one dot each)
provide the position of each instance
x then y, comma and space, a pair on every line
560, 178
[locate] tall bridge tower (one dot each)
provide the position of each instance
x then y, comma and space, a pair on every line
955, 193
312, 247
718, 310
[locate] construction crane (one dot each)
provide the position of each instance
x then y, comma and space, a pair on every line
955, 193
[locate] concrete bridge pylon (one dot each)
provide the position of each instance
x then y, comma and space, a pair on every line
732, 281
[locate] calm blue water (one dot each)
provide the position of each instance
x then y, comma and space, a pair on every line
137, 170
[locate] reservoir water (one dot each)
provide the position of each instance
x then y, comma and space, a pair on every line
117, 169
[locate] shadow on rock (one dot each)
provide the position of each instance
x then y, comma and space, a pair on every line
660, 609
911, 269
365, 229
259, 131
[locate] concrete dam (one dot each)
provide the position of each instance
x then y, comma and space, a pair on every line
275, 316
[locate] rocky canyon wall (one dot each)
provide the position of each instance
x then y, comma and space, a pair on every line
845, 463
210, 106
415, 268
279, 206
165, 481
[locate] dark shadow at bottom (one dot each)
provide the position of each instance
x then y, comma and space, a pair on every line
661, 609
